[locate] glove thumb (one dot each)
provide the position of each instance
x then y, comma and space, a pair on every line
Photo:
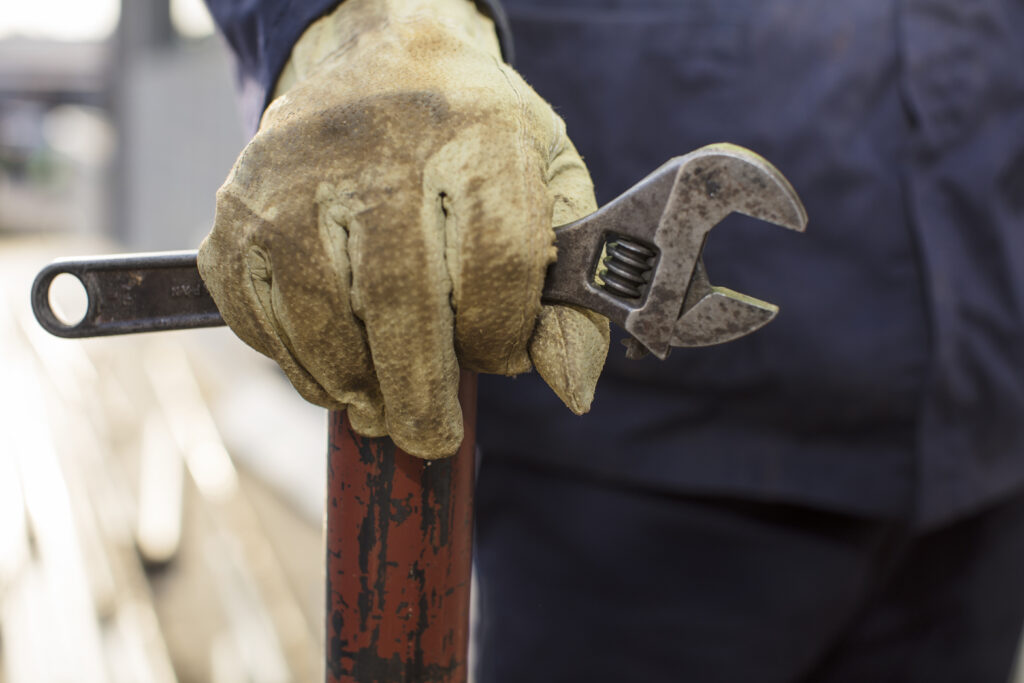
569, 345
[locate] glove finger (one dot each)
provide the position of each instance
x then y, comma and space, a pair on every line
309, 331
401, 290
224, 268
312, 310
498, 241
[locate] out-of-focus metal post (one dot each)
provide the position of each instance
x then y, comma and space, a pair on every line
399, 546
144, 27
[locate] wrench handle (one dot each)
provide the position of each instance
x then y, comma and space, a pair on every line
130, 293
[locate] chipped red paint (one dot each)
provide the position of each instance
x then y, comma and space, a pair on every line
399, 544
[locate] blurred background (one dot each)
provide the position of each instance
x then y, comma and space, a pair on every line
160, 495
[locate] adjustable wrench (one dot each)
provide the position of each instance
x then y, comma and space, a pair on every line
637, 260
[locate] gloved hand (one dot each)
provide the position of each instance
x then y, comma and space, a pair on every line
392, 220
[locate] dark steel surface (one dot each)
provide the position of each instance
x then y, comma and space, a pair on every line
399, 547
130, 293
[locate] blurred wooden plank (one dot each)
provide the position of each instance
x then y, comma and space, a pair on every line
98, 607
62, 596
99, 395
257, 570
161, 494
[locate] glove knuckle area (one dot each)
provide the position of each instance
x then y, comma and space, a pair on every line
569, 185
568, 181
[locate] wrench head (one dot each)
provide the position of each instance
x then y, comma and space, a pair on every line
738, 180
682, 308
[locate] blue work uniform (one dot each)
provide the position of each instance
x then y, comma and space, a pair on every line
886, 400
892, 382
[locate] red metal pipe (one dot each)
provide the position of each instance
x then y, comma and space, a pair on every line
399, 546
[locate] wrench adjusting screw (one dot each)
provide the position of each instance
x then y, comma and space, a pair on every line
627, 267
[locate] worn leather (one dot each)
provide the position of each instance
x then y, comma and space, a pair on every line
392, 220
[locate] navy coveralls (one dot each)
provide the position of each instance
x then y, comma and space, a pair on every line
782, 505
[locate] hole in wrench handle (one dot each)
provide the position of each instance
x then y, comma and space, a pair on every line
130, 293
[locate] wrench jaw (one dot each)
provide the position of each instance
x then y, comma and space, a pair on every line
720, 316
759, 190
682, 308
711, 315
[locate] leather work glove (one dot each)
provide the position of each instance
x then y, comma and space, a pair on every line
392, 220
